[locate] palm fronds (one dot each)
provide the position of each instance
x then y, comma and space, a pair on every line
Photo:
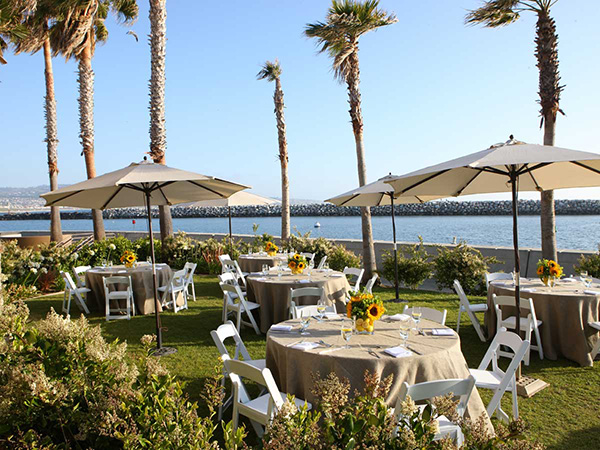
270, 71
497, 13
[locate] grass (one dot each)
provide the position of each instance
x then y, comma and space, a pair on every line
565, 415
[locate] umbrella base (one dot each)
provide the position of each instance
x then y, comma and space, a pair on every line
164, 351
398, 300
528, 387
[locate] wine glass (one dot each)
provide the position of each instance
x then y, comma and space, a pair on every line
416, 315
321, 308
586, 279
405, 325
304, 323
346, 331
326, 269
265, 269
311, 266
279, 268
149, 259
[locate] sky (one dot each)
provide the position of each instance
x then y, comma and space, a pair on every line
432, 89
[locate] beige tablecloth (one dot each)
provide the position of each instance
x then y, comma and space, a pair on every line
272, 293
441, 358
565, 311
141, 280
254, 262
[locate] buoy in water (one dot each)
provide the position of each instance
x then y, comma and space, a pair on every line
317, 224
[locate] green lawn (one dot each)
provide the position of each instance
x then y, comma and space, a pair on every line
564, 416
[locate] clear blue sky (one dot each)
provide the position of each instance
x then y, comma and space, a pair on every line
432, 89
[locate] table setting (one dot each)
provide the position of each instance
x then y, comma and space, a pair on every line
564, 305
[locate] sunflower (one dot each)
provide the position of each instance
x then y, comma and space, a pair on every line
554, 271
297, 257
552, 264
292, 264
269, 245
301, 265
349, 309
540, 270
375, 311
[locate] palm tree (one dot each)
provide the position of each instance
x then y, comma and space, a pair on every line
36, 39
338, 36
79, 26
496, 13
12, 15
271, 71
158, 132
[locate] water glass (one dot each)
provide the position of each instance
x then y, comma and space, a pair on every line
346, 331
326, 269
304, 323
321, 308
586, 278
149, 259
416, 315
265, 269
279, 268
405, 326
514, 277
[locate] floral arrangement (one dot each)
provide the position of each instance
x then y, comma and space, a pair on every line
548, 269
297, 263
271, 249
128, 258
367, 308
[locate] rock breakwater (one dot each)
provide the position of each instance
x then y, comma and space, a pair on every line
439, 208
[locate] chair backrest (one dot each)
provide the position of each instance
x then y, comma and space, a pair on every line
371, 283
307, 255
354, 272
113, 281
496, 276
322, 262
429, 314
264, 377
224, 257
228, 278
179, 278
233, 292
307, 292
190, 268
461, 295
78, 271
423, 391
68, 280
225, 331
508, 300
464, 303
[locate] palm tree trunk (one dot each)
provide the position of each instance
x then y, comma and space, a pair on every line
549, 91
86, 123
51, 140
353, 81
283, 158
158, 131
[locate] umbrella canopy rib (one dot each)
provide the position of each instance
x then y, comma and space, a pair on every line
63, 198
207, 188
468, 183
418, 183
585, 166
119, 189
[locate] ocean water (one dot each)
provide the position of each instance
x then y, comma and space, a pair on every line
573, 232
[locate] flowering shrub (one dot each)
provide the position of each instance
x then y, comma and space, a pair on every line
465, 264
414, 266
63, 386
589, 264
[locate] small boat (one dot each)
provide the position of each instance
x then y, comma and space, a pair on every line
317, 225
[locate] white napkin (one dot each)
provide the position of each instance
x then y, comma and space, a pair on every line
442, 332
306, 345
259, 279
399, 317
331, 316
121, 271
570, 280
528, 290
590, 292
398, 352
280, 328
337, 275
303, 281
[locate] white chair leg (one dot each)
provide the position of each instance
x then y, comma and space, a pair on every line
235, 417
515, 402
539, 342
458, 320
239, 317
596, 349
254, 325
64, 303
528, 354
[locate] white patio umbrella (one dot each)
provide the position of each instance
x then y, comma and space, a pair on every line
241, 198
379, 193
143, 184
512, 166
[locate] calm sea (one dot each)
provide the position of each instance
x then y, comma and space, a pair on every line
573, 232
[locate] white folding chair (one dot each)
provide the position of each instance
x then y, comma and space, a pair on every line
260, 409
173, 289
114, 295
354, 272
71, 290
461, 388
527, 324
308, 256
190, 268
489, 277
371, 283
230, 266
470, 309
297, 311
596, 348
80, 275
222, 333
429, 314
322, 262
222, 258
496, 379
228, 278
236, 302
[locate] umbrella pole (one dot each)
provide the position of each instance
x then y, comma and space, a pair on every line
395, 251
155, 287
514, 178
230, 234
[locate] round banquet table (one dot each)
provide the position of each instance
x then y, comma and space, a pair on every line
272, 293
254, 262
438, 358
565, 311
141, 280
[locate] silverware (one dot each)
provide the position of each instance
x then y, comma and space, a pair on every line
414, 351
322, 342
372, 353
295, 342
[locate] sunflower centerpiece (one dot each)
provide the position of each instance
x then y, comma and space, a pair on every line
128, 258
271, 249
549, 271
297, 263
366, 308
